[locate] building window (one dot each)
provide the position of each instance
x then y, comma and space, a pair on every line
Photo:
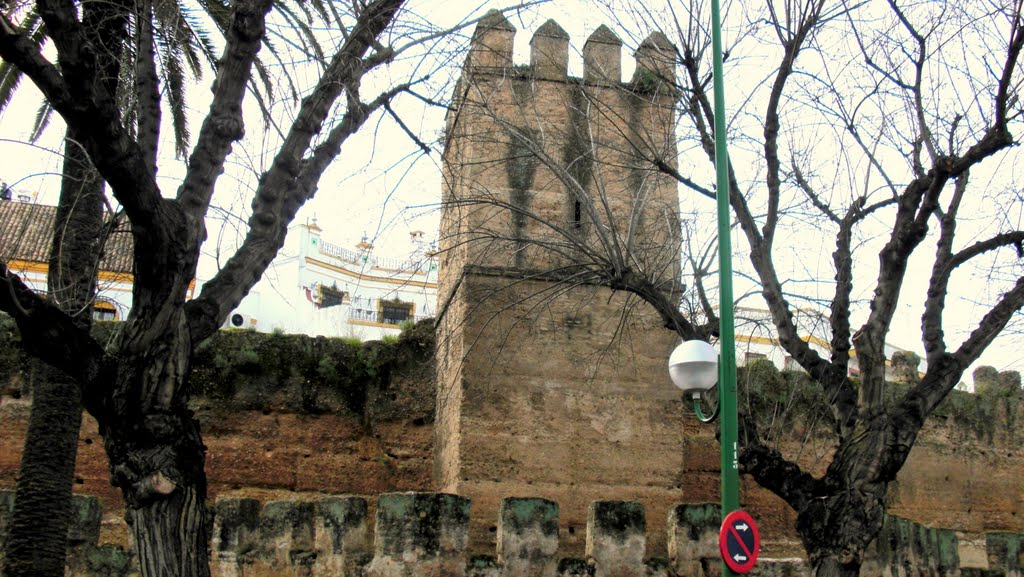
395, 312
330, 296
104, 311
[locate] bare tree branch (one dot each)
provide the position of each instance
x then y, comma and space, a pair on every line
290, 180
53, 335
223, 124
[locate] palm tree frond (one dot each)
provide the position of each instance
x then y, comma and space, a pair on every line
310, 46
219, 11
10, 76
174, 81
43, 116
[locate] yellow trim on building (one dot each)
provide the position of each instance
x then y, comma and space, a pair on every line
360, 276
26, 266
372, 324
775, 342
42, 267
811, 339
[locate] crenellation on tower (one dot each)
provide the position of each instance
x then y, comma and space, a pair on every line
491, 47
655, 62
602, 57
549, 52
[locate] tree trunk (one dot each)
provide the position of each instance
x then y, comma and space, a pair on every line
836, 530
156, 454
38, 531
846, 511
172, 534
37, 537
834, 567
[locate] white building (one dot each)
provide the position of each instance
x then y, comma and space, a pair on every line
755, 339
318, 288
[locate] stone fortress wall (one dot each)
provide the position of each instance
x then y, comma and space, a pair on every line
285, 436
548, 384
427, 534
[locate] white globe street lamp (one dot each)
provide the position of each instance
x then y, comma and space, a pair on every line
693, 367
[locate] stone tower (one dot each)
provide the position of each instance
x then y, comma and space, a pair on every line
550, 384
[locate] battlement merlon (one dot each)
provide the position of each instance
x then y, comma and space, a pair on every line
490, 50
656, 60
492, 46
549, 52
602, 57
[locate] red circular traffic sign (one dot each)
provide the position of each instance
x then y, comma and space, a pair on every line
739, 541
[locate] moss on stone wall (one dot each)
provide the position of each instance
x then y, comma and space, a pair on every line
254, 371
789, 401
391, 379
315, 374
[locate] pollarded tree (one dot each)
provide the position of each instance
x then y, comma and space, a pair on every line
865, 134
138, 387
877, 146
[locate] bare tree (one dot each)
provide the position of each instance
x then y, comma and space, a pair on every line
840, 512
138, 387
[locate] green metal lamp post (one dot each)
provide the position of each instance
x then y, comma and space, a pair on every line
692, 364
727, 367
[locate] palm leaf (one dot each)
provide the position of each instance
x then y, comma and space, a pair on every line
184, 33
10, 76
199, 43
219, 11
174, 81
321, 10
264, 76
311, 47
43, 116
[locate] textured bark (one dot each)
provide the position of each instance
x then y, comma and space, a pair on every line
836, 530
38, 530
147, 92
171, 535
153, 442
37, 539
845, 510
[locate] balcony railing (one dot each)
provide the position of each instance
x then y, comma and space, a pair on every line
372, 316
350, 256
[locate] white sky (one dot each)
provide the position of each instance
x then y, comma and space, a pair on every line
376, 189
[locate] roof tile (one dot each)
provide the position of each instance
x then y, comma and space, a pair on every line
26, 230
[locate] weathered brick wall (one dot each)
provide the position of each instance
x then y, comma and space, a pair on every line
268, 444
427, 534
551, 413
280, 416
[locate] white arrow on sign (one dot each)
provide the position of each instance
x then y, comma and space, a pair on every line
742, 527
739, 558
